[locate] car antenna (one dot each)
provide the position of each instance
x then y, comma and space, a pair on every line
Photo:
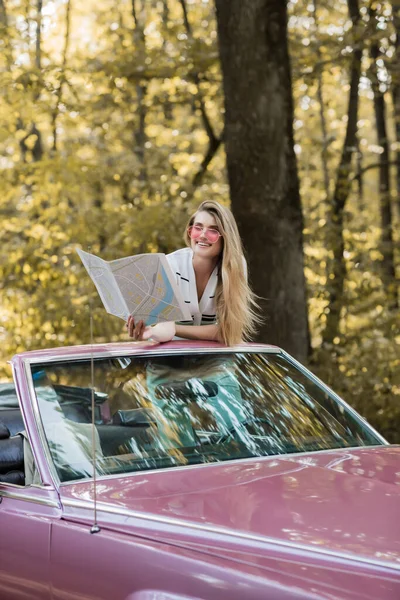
95, 527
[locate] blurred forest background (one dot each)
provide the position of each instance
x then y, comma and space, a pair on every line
112, 132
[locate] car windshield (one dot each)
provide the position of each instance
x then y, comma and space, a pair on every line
165, 411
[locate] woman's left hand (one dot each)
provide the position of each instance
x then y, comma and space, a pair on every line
162, 332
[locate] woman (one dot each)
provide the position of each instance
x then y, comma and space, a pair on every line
212, 275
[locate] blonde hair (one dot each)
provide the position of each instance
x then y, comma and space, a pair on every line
236, 304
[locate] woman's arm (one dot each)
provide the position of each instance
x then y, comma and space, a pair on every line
163, 332
197, 332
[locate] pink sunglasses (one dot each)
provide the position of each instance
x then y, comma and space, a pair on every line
211, 235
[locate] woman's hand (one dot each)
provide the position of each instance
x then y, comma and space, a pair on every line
135, 330
162, 332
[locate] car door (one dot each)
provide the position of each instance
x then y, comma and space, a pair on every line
26, 517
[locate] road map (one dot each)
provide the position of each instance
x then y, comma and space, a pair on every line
142, 285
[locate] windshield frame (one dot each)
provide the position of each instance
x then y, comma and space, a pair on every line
251, 349
335, 396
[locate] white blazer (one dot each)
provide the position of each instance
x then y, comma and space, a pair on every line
204, 311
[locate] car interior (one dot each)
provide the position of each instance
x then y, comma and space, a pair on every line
75, 403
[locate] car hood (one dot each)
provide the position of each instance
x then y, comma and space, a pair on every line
345, 501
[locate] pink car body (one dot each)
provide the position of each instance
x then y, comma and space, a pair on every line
312, 525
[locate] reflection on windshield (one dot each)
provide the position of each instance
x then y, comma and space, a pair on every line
159, 412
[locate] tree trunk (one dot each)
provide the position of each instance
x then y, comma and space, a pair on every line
214, 141
139, 41
261, 162
388, 269
167, 106
395, 73
37, 150
342, 190
321, 102
38, 52
359, 176
5, 36
59, 91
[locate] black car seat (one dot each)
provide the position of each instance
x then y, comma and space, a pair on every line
11, 450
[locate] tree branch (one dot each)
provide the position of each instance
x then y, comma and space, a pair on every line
38, 55
357, 176
320, 95
211, 152
206, 121
185, 17
214, 141
59, 91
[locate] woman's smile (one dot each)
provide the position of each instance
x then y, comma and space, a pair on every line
210, 251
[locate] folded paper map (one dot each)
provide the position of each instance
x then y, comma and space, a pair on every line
142, 285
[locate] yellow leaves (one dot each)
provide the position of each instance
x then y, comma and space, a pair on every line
60, 235
26, 269
314, 251
182, 162
192, 88
44, 276
47, 327
86, 153
375, 255
184, 145
79, 301
11, 225
30, 141
20, 134
310, 274
37, 231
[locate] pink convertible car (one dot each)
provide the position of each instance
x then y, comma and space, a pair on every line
188, 471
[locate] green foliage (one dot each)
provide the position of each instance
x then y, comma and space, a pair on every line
102, 136
96, 183
363, 363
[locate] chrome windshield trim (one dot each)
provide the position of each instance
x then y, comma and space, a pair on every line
147, 352
28, 498
336, 397
291, 455
39, 426
106, 508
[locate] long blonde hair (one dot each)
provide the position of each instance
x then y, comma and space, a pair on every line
236, 304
